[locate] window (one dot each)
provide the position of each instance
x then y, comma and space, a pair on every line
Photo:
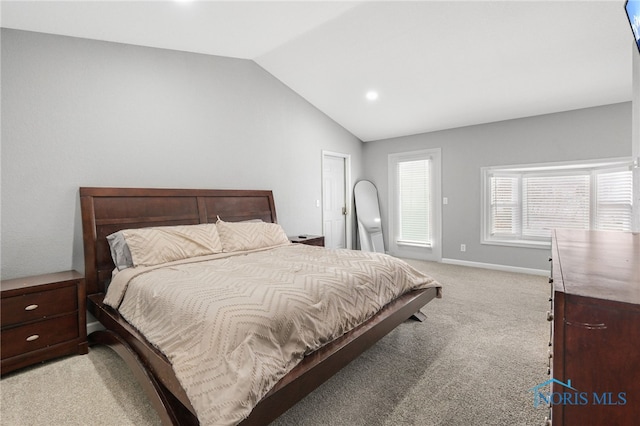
614, 203
414, 202
414, 206
523, 204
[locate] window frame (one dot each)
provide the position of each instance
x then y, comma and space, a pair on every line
589, 167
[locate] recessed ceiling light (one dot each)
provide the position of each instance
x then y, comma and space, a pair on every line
372, 95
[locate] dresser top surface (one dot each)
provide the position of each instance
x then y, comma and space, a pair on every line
599, 264
33, 282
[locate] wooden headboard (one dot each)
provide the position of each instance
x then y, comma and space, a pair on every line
107, 210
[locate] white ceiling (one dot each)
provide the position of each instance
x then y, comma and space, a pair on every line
435, 64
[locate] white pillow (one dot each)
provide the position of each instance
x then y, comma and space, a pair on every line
239, 236
153, 246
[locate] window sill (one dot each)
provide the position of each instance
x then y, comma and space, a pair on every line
545, 245
410, 244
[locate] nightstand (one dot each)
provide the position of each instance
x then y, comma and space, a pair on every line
43, 317
310, 240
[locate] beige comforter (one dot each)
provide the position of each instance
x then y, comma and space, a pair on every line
234, 325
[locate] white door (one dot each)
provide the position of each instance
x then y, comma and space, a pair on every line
334, 201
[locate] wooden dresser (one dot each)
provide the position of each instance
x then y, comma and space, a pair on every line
596, 328
43, 317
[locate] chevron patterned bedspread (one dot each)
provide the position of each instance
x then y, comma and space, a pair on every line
233, 325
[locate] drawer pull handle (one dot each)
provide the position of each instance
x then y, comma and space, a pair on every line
32, 338
31, 307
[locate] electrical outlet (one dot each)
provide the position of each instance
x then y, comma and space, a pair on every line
463, 247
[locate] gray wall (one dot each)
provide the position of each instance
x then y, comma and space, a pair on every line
591, 133
78, 112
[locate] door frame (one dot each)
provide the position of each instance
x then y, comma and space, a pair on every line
348, 193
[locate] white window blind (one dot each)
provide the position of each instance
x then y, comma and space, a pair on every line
550, 202
414, 202
614, 192
525, 203
505, 205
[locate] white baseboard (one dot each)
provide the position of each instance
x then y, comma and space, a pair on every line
497, 267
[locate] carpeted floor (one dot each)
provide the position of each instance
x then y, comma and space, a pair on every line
472, 362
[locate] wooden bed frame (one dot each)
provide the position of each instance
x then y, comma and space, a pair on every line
107, 210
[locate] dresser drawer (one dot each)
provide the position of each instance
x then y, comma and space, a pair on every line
37, 335
34, 306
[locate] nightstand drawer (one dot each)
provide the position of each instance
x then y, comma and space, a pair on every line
30, 337
34, 306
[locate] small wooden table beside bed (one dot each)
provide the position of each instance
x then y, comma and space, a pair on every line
219, 316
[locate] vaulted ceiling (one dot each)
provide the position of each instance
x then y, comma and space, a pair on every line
434, 64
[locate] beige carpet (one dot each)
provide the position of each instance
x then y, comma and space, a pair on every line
473, 361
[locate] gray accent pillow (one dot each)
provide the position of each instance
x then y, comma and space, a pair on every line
120, 252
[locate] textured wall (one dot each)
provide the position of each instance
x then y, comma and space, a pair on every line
592, 133
78, 112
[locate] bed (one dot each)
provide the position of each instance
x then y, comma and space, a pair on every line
105, 211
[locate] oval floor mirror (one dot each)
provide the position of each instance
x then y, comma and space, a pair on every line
368, 216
